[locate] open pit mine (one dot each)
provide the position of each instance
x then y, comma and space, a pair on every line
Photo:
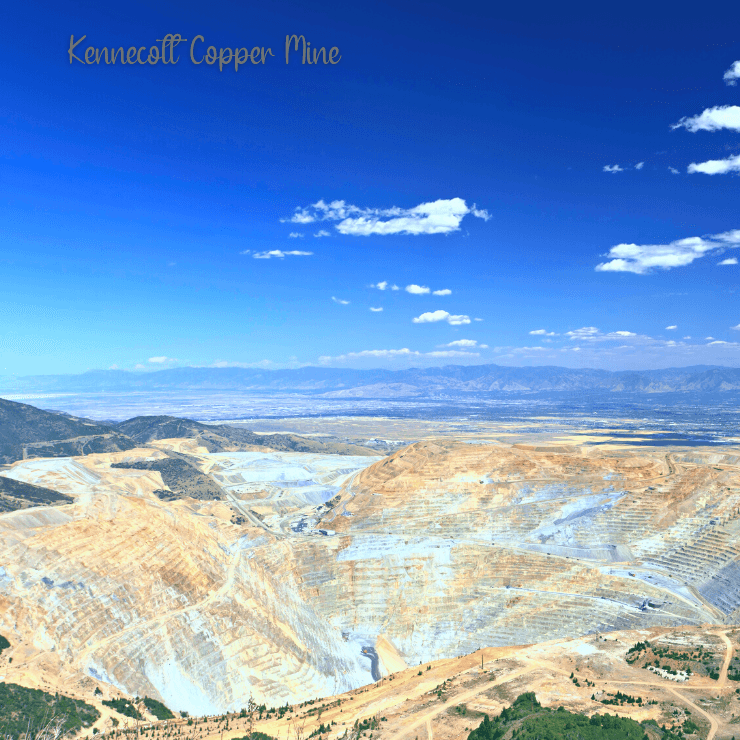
203, 578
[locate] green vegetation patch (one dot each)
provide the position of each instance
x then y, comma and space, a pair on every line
526, 719
123, 706
699, 661
3, 643
182, 478
20, 706
159, 710
15, 494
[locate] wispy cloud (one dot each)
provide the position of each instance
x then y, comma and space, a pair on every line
431, 317
295, 235
728, 261
543, 333
736, 328
340, 301
639, 165
732, 75
417, 289
161, 360
437, 217
266, 364
376, 310
444, 291
716, 166
584, 333
671, 327
644, 258
385, 286
712, 119
673, 171
277, 253
301, 216
465, 343
613, 168
592, 334
395, 354
321, 233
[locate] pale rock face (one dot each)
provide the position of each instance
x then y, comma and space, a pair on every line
430, 553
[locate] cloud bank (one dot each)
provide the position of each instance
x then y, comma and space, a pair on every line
716, 166
437, 217
431, 317
644, 258
712, 119
277, 253
732, 75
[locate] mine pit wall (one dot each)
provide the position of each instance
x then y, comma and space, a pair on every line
442, 600
185, 615
163, 602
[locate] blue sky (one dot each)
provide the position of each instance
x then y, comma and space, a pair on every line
542, 186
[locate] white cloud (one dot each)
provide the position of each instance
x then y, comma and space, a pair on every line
437, 217
376, 310
728, 261
708, 338
736, 328
463, 343
161, 360
671, 327
266, 364
712, 119
673, 171
687, 337
639, 165
384, 286
321, 233
340, 301
394, 354
452, 353
583, 333
139, 366
732, 75
444, 291
279, 254
113, 367
431, 317
716, 166
477, 319
718, 341
384, 353
644, 258
543, 333
417, 289
295, 235
301, 216
613, 168
592, 334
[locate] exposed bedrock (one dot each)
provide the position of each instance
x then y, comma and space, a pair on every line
435, 551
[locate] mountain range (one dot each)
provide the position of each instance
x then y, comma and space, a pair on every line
378, 383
